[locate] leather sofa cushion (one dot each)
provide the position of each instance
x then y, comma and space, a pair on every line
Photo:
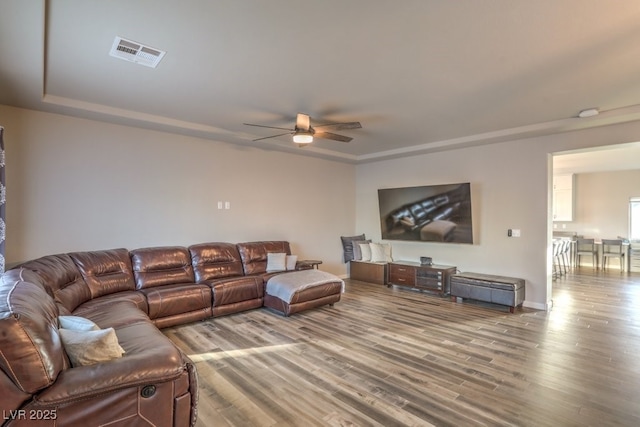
30, 346
113, 315
136, 297
106, 272
233, 290
215, 261
161, 266
254, 254
171, 300
398, 214
62, 277
441, 200
419, 214
428, 205
443, 214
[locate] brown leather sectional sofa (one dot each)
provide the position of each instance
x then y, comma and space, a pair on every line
135, 293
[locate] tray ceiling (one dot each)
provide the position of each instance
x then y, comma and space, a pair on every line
420, 75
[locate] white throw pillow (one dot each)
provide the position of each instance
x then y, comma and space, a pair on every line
387, 252
357, 253
408, 221
276, 261
380, 252
291, 261
365, 250
77, 323
91, 347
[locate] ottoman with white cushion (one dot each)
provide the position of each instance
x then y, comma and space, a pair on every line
439, 231
296, 291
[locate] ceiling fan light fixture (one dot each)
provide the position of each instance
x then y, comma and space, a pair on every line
303, 138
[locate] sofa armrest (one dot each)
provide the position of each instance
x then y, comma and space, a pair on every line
154, 383
149, 358
86, 381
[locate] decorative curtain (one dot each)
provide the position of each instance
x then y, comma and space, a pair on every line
3, 200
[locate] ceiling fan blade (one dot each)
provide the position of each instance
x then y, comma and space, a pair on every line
273, 136
341, 126
333, 136
269, 127
302, 122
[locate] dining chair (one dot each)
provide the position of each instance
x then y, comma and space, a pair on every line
561, 261
612, 248
587, 247
556, 259
565, 254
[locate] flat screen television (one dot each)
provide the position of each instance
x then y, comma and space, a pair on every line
429, 213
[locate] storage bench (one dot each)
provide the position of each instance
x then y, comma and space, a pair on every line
502, 290
371, 272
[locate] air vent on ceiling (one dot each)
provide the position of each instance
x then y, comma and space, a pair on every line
136, 52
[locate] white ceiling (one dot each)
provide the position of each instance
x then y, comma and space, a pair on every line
611, 158
420, 75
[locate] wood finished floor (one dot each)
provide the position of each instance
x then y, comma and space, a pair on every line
393, 357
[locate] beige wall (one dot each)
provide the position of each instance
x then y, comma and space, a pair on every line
75, 184
601, 204
510, 185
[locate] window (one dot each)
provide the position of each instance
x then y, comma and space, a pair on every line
634, 218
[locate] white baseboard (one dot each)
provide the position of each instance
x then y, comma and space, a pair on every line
536, 305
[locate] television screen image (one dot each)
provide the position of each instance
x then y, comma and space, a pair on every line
430, 213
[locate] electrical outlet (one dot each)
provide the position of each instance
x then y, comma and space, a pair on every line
219, 205
509, 232
516, 232
227, 205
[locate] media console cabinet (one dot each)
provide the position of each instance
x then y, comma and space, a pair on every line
434, 278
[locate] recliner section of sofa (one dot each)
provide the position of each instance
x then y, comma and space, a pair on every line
219, 266
165, 276
254, 255
46, 390
135, 292
109, 276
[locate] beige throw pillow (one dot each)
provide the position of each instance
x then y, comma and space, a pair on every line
276, 261
91, 347
291, 261
365, 250
380, 252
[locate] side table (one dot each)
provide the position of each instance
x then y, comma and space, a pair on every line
308, 264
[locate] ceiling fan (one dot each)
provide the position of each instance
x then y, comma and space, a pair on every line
303, 133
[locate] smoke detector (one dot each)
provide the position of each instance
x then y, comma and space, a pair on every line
136, 52
589, 112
